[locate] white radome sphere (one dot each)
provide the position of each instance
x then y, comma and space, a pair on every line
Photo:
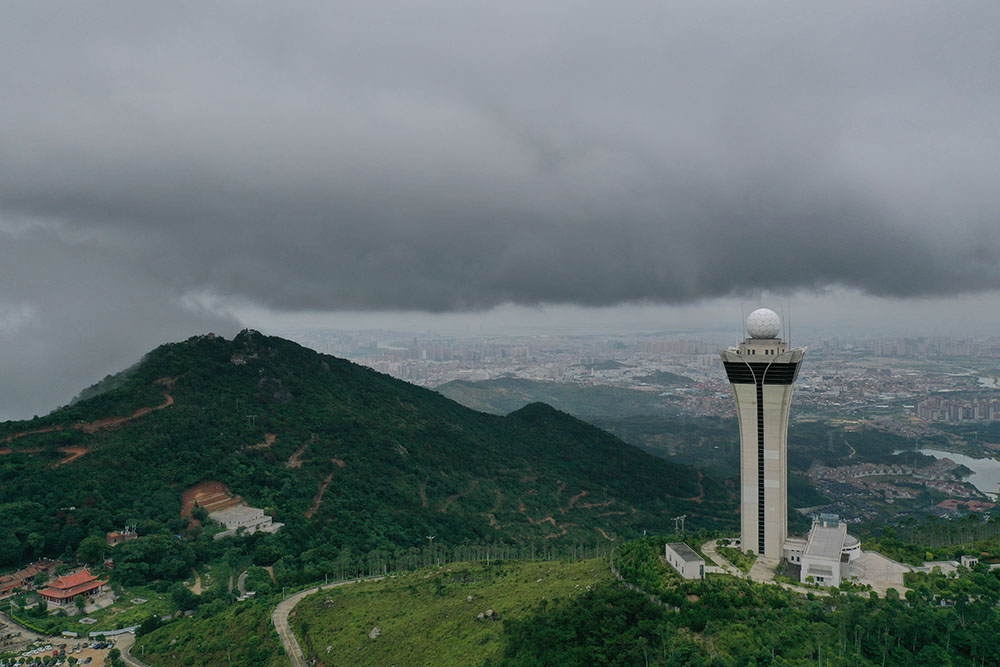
763, 323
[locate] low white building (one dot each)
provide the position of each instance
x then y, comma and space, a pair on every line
825, 556
249, 519
685, 560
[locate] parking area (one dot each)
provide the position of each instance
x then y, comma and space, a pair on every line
85, 652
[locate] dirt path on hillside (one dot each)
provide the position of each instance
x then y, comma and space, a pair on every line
562, 487
269, 439
8, 450
590, 506
701, 490
91, 427
295, 460
196, 586
563, 530
521, 507
572, 501
73, 452
11, 438
319, 495
447, 501
111, 422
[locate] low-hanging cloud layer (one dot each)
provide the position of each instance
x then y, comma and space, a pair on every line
447, 156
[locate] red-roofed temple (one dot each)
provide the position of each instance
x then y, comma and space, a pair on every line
65, 590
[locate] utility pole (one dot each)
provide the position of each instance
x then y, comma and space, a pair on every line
679, 521
253, 420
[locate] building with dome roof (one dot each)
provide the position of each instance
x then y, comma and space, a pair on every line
762, 371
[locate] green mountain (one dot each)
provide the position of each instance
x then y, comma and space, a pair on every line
344, 456
666, 379
503, 395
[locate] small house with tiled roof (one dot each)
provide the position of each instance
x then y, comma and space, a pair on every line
65, 589
116, 537
22, 579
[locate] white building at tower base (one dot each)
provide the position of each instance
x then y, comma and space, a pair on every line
824, 557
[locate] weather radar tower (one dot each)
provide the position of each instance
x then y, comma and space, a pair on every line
762, 371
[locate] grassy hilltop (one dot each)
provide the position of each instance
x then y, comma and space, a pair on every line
432, 617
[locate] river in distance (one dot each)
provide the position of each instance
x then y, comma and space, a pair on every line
985, 472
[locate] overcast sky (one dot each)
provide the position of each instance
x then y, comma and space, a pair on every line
173, 168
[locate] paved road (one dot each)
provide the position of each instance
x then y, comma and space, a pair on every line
279, 617
26, 634
708, 548
241, 582
761, 572
124, 644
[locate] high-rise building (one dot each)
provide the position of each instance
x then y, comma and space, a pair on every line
762, 371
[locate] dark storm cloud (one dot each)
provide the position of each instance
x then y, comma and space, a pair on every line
68, 317
437, 156
445, 156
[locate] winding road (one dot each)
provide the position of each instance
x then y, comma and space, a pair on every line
279, 617
124, 644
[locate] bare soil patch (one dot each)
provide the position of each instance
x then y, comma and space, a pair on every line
295, 460
269, 439
102, 424
319, 496
447, 501
73, 453
211, 495
196, 586
562, 532
36, 431
590, 506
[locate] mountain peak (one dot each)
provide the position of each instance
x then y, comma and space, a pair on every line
341, 454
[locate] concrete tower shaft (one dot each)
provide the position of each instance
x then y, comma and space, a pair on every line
762, 372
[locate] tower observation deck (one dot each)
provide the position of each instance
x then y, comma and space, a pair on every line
762, 371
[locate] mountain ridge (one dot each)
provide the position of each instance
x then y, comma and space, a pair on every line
353, 458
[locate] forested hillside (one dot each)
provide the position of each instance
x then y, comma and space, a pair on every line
344, 456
